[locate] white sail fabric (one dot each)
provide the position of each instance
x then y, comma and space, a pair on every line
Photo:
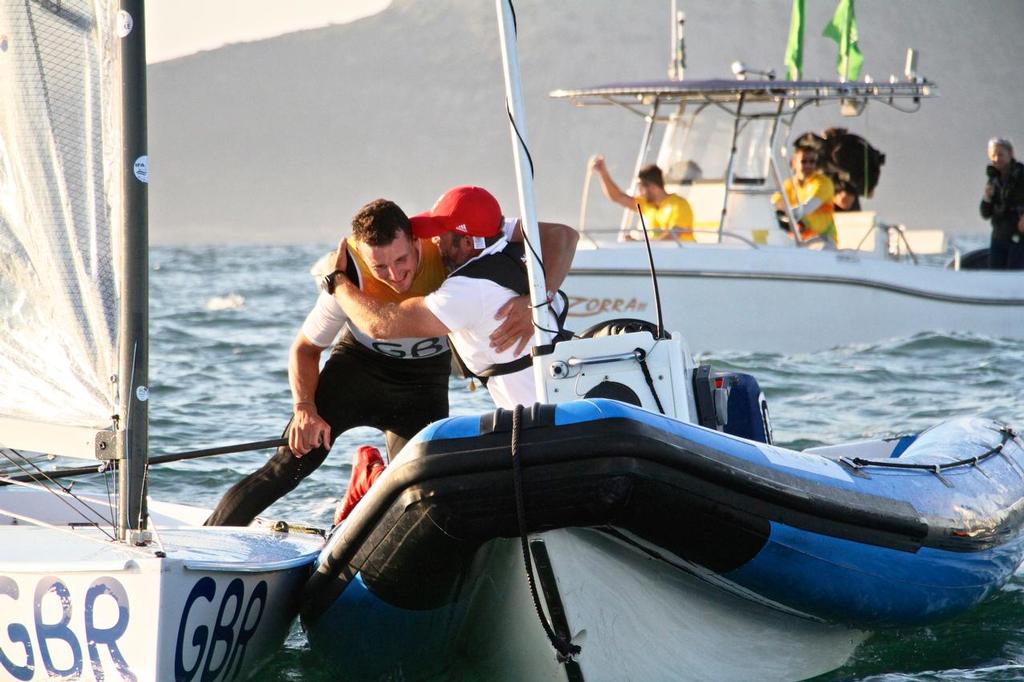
60, 208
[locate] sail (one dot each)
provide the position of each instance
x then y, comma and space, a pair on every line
60, 207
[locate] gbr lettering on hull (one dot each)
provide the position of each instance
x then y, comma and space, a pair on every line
67, 631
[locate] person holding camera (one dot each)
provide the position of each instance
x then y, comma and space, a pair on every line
1003, 204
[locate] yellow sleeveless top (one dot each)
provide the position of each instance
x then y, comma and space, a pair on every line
429, 275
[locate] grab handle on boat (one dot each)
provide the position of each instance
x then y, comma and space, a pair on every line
560, 370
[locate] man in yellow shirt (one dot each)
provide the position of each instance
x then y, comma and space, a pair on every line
667, 216
811, 200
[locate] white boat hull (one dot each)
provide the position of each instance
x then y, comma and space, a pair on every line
781, 299
637, 617
199, 603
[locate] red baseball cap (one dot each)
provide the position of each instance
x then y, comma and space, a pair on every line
469, 210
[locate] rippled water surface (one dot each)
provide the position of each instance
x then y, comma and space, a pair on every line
222, 319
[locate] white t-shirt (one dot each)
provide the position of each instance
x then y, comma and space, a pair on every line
326, 321
467, 306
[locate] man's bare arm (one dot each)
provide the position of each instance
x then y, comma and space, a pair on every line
608, 186
410, 318
307, 429
557, 248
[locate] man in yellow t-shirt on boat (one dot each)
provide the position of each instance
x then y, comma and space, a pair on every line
667, 216
810, 193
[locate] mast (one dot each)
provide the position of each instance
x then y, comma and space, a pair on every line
524, 175
134, 341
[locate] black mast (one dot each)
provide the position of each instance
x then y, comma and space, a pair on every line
134, 314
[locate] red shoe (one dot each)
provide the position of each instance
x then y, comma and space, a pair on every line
367, 465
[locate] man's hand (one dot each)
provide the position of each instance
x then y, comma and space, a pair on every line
1020, 224
597, 164
307, 430
517, 325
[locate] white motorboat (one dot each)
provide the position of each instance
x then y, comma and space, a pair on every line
745, 284
108, 586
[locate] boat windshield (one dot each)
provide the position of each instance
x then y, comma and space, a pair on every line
697, 142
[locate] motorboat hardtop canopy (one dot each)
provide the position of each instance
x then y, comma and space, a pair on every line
726, 91
722, 141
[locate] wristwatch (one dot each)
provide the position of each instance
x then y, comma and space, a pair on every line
330, 282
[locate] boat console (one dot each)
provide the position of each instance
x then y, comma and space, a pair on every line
634, 367
627, 360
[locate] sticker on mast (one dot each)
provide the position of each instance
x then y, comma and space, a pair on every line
125, 23
141, 168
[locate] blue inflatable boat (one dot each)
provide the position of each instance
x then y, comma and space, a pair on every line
639, 524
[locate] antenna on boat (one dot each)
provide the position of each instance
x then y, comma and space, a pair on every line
677, 59
654, 275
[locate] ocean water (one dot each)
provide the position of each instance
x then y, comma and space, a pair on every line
222, 319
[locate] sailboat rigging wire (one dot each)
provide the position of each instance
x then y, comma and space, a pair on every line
142, 506
40, 474
106, 484
548, 303
160, 459
59, 495
515, 23
526, 239
71, 531
519, 136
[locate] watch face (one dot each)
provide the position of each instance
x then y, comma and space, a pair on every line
329, 282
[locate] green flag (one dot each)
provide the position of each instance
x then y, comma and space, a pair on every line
843, 30
795, 45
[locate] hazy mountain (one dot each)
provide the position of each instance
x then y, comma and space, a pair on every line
282, 140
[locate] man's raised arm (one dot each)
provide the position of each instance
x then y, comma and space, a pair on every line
608, 186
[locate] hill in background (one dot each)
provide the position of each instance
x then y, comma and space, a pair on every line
282, 140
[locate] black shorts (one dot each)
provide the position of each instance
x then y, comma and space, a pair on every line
360, 387
357, 387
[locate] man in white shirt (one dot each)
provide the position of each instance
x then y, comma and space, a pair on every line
465, 304
398, 385
467, 225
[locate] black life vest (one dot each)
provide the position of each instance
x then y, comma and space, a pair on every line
506, 268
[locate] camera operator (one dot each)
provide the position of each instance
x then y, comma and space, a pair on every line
1003, 203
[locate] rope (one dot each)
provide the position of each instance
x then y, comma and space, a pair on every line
567, 651
642, 359
1007, 433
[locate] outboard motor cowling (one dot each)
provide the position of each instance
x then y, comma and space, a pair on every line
731, 402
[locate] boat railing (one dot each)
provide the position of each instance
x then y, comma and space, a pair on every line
602, 237
889, 233
892, 243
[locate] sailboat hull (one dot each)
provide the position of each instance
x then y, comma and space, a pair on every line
198, 603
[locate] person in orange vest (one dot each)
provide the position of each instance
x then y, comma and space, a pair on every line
810, 193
